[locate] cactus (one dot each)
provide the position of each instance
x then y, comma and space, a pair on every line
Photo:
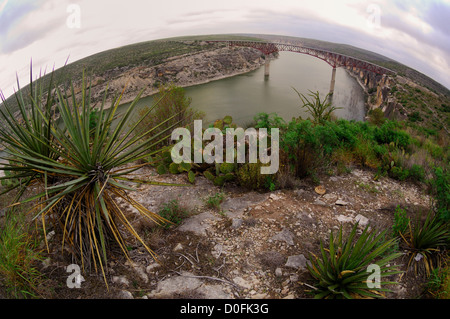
227, 119
191, 177
173, 168
184, 167
226, 168
209, 175
161, 169
219, 180
218, 124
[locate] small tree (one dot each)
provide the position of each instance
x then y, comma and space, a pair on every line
320, 111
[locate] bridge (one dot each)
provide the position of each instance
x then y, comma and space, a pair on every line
332, 58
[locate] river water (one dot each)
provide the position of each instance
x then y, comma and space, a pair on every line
245, 95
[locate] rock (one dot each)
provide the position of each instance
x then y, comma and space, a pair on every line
196, 223
217, 250
150, 268
340, 202
286, 236
177, 284
344, 219
290, 296
274, 197
50, 235
120, 280
236, 223
125, 294
362, 220
330, 197
320, 202
296, 261
278, 272
242, 282
178, 247
259, 296
213, 292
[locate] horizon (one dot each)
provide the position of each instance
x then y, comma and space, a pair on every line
412, 33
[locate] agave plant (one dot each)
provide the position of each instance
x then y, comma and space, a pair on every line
426, 242
82, 172
342, 270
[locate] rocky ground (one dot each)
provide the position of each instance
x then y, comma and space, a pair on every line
255, 246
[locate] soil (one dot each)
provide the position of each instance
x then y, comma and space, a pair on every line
254, 245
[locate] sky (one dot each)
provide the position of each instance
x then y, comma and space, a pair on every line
48, 32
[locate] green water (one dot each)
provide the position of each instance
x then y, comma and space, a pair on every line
243, 96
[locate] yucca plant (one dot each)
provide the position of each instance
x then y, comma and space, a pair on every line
24, 133
341, 271
85, 171
426, 242
320, 110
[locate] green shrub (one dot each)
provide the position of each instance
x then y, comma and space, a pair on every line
173, 212
18, 256
441, 190
249, 175
401, 222
341, 271
215, 200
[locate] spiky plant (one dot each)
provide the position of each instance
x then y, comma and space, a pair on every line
342, 270
426, 242
82, 172
320, 110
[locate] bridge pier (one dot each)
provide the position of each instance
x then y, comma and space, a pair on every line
266, 67
333, 80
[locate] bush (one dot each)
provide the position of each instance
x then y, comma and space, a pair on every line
173, 212
18, 255
441, 189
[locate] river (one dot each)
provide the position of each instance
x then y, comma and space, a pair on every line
243, 96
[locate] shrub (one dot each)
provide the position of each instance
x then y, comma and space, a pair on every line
18, 254
376, 116
341, 270
215, 200
173, 212
249, 176
441, 189
401, 222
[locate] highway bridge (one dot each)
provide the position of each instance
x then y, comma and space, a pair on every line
332, 58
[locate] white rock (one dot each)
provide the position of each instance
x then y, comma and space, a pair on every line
344, 219
340, 202
362, 220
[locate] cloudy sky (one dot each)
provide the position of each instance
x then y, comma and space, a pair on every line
415, 32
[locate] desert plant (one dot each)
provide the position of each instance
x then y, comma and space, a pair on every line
81, 173
426, 242
341, 270
19, 253
320, 110
173, 212
401, 222
215, 200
